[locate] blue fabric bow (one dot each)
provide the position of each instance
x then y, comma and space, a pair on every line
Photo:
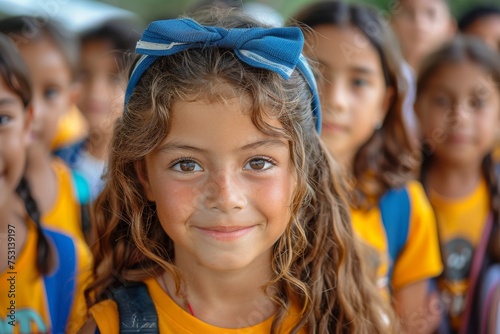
275, 49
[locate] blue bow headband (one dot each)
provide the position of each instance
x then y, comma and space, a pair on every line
275, 49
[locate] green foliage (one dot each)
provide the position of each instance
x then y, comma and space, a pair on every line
158, 9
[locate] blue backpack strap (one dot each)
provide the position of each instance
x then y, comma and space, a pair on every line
60, 283
395, 209
136, 308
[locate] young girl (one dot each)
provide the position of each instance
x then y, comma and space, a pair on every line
361, 93
220, 197
458, 105
41, 271
51, 56
102, 59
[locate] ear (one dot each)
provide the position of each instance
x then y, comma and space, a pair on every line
386, 103
142, 175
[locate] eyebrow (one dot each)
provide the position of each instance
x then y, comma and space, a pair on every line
362, 69
172, 146
357, 68
7, 101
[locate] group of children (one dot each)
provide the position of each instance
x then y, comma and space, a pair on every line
330, 176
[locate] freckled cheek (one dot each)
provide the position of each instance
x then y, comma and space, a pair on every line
273, 198
176, 201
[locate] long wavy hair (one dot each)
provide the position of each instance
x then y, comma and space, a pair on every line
385, 161
467, 50
315, 261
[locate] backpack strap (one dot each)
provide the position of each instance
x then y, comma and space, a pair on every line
475, 271
395, 210
136, 308
60, 284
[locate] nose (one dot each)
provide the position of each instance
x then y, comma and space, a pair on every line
336, 97
225, 192
459, 114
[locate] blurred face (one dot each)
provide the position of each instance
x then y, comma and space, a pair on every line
222, 188
53, 89
459, 111
101, 99
488, 29
14, 132
421, 26
352, 89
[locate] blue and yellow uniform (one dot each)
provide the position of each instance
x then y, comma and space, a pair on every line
52, 303
420, 257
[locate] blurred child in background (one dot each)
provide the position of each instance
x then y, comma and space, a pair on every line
51, 54
362, 90
421, 26
42, 271
102, 60
483, 21
458, 105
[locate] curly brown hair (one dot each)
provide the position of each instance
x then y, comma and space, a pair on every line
385, 161
315, 261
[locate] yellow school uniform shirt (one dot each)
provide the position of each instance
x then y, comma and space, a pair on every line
173, 319
23, 285
420, 258
65, 215
461, 223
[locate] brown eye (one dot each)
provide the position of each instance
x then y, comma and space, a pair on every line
259, 164
187, 166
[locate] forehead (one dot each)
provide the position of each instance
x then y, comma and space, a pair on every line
43, 55
344, 47
462, 77
424, 4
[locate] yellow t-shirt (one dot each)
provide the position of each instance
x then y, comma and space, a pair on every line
461, 223
24, 288
65, 215
420, 258
173, 319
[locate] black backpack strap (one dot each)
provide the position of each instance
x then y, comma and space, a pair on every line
136, 308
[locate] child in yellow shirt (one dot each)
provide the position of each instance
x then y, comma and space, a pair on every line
220, 197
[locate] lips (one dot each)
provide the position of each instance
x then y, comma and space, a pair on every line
334, 127
225, 233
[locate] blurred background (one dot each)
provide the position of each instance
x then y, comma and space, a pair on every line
80, 15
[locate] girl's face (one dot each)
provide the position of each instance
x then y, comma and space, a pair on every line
101, 99
222, 188
459, 112
14, 132
352, 88
53, 89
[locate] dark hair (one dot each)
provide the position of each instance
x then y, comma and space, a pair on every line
120, 34
14, 71
466, 49
26, 29
43, 251
15, 75
381, 163
476, 13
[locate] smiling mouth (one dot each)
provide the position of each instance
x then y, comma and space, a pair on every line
334, 127
225, 233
